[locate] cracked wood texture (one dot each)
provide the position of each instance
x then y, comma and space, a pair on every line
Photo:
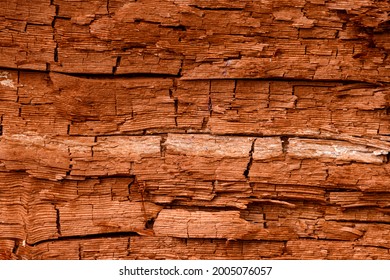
193, 129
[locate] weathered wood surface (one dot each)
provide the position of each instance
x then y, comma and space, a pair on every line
194, 129
200, 39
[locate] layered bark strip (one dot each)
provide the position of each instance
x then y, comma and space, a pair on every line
192, 129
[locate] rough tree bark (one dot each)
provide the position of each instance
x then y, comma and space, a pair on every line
194, 129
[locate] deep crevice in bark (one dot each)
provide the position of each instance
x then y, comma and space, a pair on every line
250, 162
163, 148
117, 64
87, 237
176, 106
284, 144
57, 8
16, 247
149, 223
179, 75
58, 223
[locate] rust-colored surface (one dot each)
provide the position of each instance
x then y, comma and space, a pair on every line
191, 129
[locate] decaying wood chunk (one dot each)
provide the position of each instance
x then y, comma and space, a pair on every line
335, 150
201, 224
194, 129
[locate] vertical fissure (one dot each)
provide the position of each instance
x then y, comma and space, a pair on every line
179, 74
58, 222
129, 186
1, 125
234, 90
268, 96
205, 122
117, 64
70, 162
162, 146
175, 100
80, 251
128, 248
53, 23
176, 105
210, 102
250, 162
108, 7
15, 249
285, 144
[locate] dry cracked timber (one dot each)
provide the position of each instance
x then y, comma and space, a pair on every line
192, 129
